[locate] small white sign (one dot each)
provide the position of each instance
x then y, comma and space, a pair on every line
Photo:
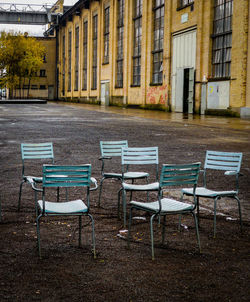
184, 18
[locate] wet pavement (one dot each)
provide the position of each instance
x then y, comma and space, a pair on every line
76, 127
201, 120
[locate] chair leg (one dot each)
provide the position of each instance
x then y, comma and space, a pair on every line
131, 192
179, 225
197, 230
20, 195
38, 235
152, 235
100, 192
215, 205
80, 231
118, 204
163, 228
198, 210
93, 234
239, 206
124, 207
129, 226
147, 191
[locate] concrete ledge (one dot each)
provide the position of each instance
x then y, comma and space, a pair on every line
245, 112
23, 101
222, 112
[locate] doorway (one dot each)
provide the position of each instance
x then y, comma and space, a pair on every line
105, 93
183, 71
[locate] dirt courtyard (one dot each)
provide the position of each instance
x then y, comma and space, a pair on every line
69, 273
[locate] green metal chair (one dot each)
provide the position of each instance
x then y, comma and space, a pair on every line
34, 151
171, 175
230, 162
67, 177
138, 156
110, 149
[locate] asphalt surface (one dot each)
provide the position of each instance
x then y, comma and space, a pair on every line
77, 129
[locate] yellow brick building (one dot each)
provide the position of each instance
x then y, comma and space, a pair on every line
181, 55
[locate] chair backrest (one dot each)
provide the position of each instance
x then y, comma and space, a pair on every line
179, 175
112, 148
37, 151
227, 161
140, 156
66, 176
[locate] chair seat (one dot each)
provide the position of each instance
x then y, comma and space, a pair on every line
128, 175
144, 187
70, 207
168, 206
204, 192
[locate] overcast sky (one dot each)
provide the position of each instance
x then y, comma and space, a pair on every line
33, 30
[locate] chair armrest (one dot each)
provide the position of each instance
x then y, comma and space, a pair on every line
32, 182
94, 181
105, 157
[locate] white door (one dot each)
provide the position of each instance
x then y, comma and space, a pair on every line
179, 91
105, 93
184, 56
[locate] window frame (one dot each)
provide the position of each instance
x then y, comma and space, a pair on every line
77, 36
106, 34
158, 43
222, 41
182, 5
69, 58
94, 51
85, 55
137, 39
120, 43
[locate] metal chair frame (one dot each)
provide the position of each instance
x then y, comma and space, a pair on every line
171, 175
65, 176
230, 162
34, 151
138, 156
110, 149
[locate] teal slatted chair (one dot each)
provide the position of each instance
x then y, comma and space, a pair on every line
34, 151
138, 156
171, 175
230, 162
67, 177
110, 149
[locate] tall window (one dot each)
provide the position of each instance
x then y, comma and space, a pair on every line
76, 57
222, 38
157, 53
85, 54
69, 61
94, 52
63, 65
120, 32
106, 35
137, 25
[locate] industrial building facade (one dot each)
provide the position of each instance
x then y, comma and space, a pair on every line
186, 56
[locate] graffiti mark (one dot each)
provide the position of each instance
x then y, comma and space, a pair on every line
157, 95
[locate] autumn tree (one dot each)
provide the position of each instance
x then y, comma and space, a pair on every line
20, 59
